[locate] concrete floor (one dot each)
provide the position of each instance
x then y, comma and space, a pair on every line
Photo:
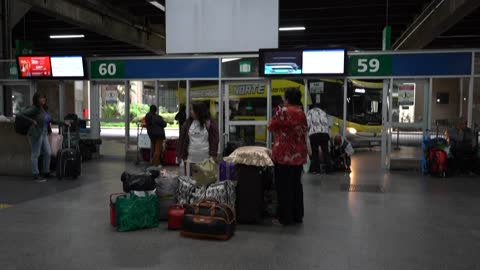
416, 223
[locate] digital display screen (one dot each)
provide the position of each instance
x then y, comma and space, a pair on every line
282, 62
34, 67
328, 61
67, 66
278, 63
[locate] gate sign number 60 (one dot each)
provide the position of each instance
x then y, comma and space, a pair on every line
372, 65
109, 69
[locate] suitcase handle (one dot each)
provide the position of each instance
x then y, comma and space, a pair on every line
216, 204
176, 206
115, 194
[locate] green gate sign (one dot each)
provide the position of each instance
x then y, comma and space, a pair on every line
107, 69
370, 65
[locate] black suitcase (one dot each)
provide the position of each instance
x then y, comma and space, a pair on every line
252, 182
69, 161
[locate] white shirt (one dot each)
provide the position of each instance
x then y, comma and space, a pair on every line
198, 147
348, 149
317, 121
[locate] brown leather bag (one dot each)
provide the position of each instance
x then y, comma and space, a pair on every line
209, 219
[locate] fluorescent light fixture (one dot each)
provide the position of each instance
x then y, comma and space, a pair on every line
225, 60
360, 90
66, 36
157, 5
292, 28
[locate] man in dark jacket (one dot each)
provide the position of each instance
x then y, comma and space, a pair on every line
156, 131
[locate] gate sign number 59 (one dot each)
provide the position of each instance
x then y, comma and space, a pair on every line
370, 65
108, 69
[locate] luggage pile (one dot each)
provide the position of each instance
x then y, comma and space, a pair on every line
435, 157
201, 211
206, 201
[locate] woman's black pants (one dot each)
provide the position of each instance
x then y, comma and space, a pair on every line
288, 181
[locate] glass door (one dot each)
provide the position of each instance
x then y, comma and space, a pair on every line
246, 113
409, 121
16, 97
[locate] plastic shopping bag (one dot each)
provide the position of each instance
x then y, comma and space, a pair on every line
205, 172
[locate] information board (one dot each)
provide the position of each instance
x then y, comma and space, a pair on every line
34, 67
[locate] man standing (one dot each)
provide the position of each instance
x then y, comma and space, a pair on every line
156, 131
318, 132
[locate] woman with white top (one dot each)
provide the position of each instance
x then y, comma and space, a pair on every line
198, 136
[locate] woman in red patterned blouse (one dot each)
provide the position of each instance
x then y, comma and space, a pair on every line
289, 128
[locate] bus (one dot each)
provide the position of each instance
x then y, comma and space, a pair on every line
248, 102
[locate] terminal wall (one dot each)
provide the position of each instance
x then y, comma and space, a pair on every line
452, 109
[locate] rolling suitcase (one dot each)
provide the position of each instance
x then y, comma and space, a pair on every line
226, 171
175, 216
169, 157
171, 144
69, 161
251, 183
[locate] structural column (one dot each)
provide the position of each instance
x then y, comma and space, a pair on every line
61, 99
94, 110
127, 116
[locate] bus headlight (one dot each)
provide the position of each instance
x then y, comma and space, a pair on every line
352, 130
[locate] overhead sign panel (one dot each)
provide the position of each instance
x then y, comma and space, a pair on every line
155, 68
211, 26
411, 64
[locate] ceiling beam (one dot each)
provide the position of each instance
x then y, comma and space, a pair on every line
437, 18
18, 9
105, 24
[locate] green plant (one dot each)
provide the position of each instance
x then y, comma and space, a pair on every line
168, 117
110, 111
138, 111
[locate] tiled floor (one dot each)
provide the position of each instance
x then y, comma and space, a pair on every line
415, 223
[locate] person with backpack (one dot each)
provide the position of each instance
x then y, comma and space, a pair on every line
37, 134
342, 151
156, 132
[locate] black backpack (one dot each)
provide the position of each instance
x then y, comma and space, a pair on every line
22, 124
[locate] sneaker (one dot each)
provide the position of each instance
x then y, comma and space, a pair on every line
37, 178
47, 175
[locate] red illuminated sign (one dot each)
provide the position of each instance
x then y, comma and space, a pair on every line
34, 66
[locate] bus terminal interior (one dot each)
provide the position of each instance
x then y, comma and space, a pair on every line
375, 217
384, 116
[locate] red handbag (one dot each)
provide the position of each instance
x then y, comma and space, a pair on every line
175, 215
113, 216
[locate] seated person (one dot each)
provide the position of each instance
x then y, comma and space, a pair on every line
341, 152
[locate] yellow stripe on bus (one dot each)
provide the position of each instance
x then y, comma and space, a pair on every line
4, 205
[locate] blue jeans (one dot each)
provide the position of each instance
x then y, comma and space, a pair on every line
41, 147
